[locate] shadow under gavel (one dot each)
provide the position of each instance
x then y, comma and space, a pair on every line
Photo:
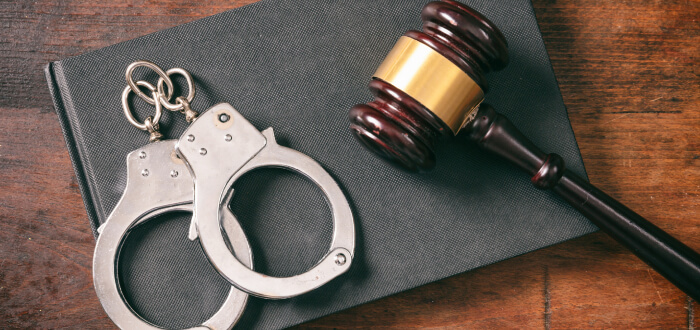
430, 87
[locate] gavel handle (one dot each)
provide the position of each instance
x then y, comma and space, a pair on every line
668, 256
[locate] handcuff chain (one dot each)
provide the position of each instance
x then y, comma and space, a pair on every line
160, 97
151, 123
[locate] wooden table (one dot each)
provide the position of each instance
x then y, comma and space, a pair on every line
629, 72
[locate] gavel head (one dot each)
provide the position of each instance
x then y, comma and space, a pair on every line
429, 85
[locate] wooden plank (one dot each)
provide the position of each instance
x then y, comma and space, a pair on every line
45, 245
628, 75
626, 70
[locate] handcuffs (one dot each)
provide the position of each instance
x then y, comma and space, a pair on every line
195, 173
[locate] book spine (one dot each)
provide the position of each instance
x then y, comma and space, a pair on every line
55, 79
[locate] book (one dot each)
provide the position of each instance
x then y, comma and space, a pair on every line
298, 66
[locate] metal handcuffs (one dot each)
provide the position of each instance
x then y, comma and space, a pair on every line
157, 183
218, 149
195, 173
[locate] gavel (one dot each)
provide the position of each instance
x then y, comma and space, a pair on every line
430, 88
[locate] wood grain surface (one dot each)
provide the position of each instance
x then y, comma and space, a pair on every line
629, 72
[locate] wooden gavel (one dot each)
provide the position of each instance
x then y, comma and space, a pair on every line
430, 88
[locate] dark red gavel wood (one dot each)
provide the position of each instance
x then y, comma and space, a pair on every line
401, 130
671, 258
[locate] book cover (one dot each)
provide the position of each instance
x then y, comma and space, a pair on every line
298, 66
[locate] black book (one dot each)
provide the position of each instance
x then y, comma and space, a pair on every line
298, 66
